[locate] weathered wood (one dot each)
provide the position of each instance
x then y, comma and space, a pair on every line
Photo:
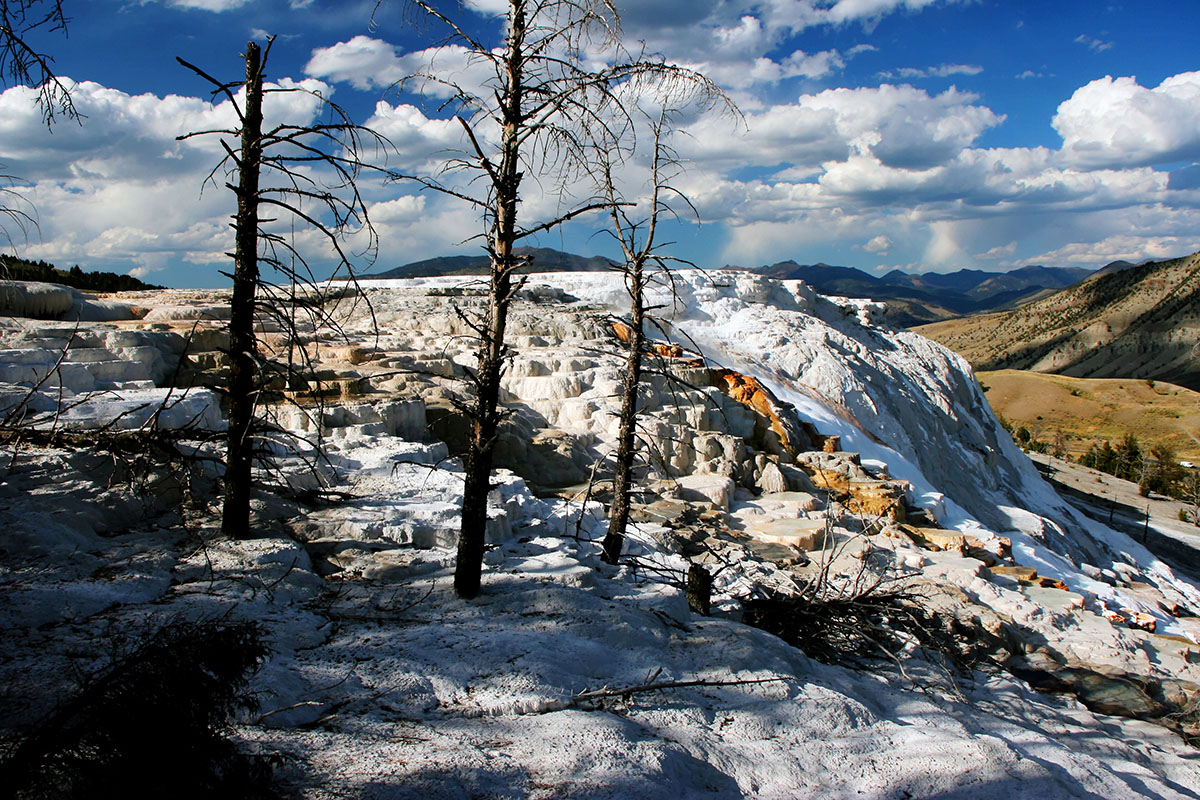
243, 346
506, 184
699, 589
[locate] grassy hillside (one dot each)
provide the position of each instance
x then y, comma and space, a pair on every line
1139, 322
1090, 410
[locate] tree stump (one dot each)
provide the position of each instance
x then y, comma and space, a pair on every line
699, 589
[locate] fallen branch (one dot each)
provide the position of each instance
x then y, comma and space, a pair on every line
588, 701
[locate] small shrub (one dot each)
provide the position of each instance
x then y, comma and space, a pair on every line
154, 723
866, 620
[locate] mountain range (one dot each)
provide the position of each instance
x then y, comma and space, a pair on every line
914, 299
1142, 321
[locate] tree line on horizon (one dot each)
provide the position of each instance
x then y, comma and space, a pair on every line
19, 269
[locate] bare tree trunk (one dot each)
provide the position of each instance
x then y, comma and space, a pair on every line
507, 183
618, 518
243, 349
553, 105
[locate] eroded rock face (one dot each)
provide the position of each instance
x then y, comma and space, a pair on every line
563, 388
34, 299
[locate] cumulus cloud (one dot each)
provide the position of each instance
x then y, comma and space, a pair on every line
903, 126
900, 125
736, 41
493, 8
879, 244
368, 63
120, 191
1114, 122
132, 137
1122, 247
1000, 251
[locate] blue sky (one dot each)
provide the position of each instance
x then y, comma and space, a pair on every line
913, 134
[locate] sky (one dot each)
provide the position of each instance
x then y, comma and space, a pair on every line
922, 135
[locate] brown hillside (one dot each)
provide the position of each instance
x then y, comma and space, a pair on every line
1088, 411
1140, 322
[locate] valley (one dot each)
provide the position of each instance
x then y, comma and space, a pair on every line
1089, 411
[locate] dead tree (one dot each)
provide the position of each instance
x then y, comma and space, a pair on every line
643, 262
308, 174
1191, 486
20, 61
543, 113
23, 64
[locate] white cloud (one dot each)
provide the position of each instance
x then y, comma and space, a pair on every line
1000, 251
879, 244
1121, 247
944, 249
409, 208
903, 126
119, 191
205, 5
1092, 43
868, 10
1116, 122
364, 62
735, 41
940, 71
132, 137
488, 7
368, 63
900, 125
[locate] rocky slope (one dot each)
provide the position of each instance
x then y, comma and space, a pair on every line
787, 437
1139, 322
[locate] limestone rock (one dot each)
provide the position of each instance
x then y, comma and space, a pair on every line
797, 479
34, 299
1015, 572
936, 538
772, 480
806, 534
715, 489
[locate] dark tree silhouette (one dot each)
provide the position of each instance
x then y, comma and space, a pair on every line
644, 263
20, 61
22, 64
307, 173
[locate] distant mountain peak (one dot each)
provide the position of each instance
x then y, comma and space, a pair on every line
541, 259
915, 298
